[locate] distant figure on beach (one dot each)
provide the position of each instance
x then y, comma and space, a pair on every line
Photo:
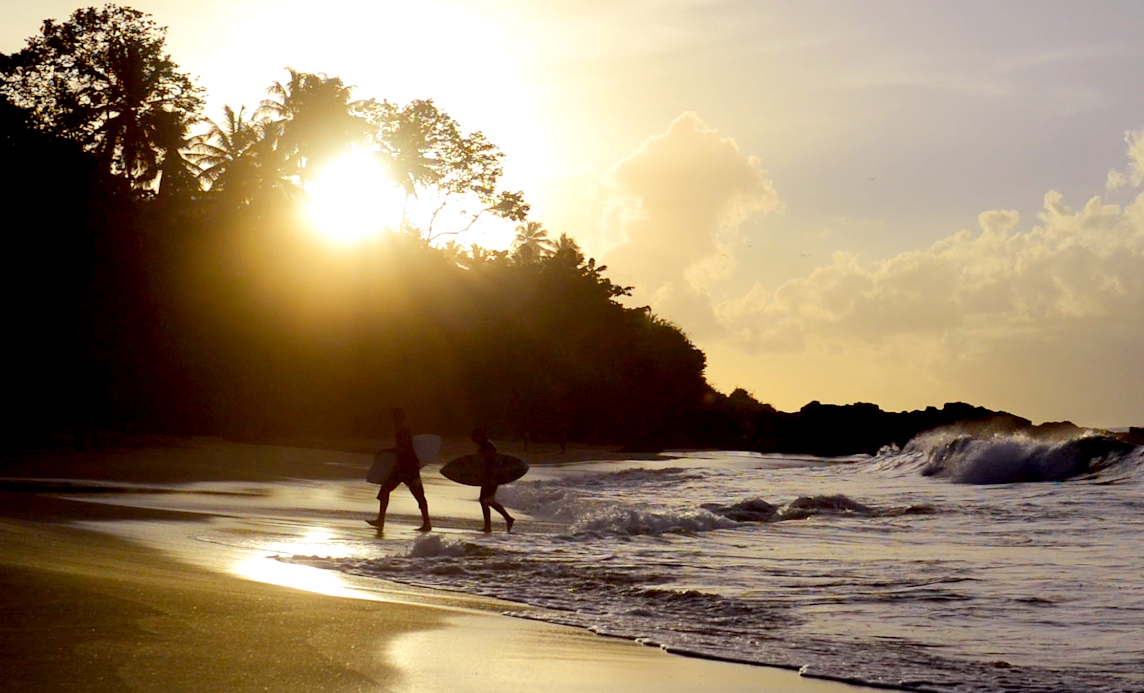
488, 495
407, 471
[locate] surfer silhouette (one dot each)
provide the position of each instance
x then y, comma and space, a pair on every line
407, 471
488, 496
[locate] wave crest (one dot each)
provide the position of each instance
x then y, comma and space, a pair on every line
1015, 458
633, 522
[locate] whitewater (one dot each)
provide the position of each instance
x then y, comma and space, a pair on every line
957, 564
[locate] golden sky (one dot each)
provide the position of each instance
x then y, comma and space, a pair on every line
905, 203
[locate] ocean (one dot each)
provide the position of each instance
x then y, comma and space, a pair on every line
955, 564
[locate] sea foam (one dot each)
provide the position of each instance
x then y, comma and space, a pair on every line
1014, 458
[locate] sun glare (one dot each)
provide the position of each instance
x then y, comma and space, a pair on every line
354, 198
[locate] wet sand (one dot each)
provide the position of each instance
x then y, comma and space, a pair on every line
83, 611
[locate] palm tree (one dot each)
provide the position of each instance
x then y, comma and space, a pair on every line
567, 250
223, 146
531, 242
477, 256
454, 252
138, 112
239, 155
481, 256
317, 119
179, 171
283, 102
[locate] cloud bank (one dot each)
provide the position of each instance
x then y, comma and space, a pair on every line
968, 289
1047, 322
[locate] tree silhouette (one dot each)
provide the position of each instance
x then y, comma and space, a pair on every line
453, 252
179, 172
317, 119
479, 255
231, 154
103, 79
435, 163
218, 311
531, 242
566, 250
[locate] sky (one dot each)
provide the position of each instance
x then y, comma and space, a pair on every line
901, 202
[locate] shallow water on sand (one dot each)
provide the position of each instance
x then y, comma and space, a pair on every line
883, 570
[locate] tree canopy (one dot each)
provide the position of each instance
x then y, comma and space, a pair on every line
103, 79
217, 309
430, 157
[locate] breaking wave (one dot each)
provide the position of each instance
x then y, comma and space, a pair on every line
1008, 459
798, 567
582, 509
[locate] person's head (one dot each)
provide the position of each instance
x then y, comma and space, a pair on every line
478, 435
398, 415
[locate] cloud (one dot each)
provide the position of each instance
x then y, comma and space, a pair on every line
1135, 174
1075, 265
1116, 180
1044, 321
683, 195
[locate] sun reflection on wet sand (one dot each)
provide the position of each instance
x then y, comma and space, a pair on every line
312, 541
270, 570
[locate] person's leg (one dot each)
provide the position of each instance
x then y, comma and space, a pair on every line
488, 493
383, 501
508, 519
382, 504
418, 491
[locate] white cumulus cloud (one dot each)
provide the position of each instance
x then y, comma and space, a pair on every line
684, 195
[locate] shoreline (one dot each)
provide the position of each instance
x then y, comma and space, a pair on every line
183, 459
88, 611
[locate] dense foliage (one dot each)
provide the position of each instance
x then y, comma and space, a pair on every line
104, 80
162, 277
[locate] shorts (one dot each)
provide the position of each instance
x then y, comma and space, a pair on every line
411, 480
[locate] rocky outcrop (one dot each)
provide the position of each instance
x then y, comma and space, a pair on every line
834, 430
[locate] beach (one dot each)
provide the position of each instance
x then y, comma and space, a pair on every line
85, 610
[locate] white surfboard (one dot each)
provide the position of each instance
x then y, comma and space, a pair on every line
427, 446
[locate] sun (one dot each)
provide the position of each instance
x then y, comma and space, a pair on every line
353, 198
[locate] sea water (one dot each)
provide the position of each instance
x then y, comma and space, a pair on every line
934, 568
956, 564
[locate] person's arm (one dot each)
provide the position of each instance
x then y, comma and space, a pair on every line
405, 443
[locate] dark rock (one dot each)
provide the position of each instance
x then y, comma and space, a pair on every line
836, 430
1135, 436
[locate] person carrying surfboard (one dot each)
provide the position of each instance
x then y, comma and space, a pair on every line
488, 496
407, 471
